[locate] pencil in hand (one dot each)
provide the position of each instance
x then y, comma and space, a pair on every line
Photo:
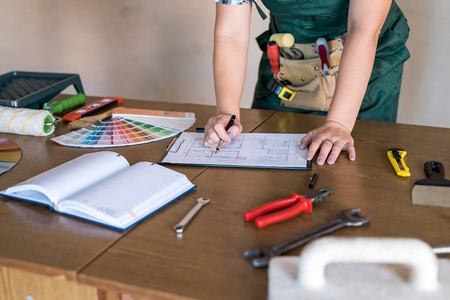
229, 124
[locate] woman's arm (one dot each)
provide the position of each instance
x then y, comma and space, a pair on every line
365, 21
231, 39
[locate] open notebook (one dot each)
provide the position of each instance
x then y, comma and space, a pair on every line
102, 187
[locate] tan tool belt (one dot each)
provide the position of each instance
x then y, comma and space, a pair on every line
314, 87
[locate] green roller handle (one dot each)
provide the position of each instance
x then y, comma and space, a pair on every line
59, 106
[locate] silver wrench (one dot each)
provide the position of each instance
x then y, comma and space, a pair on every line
179, 228
350, 217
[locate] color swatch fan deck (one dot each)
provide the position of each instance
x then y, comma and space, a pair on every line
125, 129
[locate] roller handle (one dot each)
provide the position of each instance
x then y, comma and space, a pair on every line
59, 106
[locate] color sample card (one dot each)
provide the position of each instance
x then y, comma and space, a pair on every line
125, 131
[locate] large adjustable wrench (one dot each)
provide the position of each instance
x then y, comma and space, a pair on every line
350, 217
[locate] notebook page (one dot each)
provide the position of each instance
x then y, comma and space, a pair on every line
72, 176
127, 190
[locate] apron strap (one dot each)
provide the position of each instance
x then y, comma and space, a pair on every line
260, 11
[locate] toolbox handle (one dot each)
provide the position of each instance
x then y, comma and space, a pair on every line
416, 254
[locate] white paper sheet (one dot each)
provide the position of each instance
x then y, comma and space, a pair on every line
256, 150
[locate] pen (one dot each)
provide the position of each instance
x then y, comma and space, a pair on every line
170, 146
312, 181
230, 123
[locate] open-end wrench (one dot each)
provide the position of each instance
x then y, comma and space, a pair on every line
179, 228
350, 217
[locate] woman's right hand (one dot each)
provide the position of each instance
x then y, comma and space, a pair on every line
215, 130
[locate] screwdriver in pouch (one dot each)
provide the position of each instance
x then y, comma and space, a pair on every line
274, 56
324, 53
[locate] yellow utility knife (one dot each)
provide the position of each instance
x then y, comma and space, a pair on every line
396, 157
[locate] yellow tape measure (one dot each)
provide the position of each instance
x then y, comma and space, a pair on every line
396, 157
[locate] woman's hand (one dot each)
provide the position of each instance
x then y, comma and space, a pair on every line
215, 130
332, 138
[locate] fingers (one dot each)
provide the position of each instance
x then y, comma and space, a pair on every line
211, 139
325, 148
313, 147
215, 130
334, 154
327, 142
351, 152
305, 141
329, 151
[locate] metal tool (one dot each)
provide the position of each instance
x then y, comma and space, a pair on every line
435, 189
291, 53
346, 218
281, 210
179, 228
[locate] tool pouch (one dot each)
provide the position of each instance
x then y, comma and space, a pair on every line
314, 87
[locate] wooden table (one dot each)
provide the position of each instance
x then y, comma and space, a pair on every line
57, 257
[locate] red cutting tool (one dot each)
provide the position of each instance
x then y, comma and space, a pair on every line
285, 209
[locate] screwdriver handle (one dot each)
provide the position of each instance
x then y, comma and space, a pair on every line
324, 53
274, 56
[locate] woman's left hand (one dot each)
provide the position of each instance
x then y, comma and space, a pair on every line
332, 138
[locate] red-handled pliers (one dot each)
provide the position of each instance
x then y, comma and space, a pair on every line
286, 208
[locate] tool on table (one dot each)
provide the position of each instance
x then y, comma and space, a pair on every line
10, 154
313, 180
350, 217
285, 209
397, 158
26, 121
274, 56
323, 52
88, 121
227, 127
435, 190
92, 109
179, 228
281, 90
55, 107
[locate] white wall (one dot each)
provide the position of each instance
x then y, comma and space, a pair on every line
162, 50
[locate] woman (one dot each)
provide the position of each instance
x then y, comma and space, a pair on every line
370, 67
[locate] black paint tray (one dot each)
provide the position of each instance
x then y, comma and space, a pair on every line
33, 89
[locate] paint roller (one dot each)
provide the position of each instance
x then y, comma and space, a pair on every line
26, 121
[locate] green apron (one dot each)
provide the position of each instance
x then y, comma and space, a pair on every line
308, 20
